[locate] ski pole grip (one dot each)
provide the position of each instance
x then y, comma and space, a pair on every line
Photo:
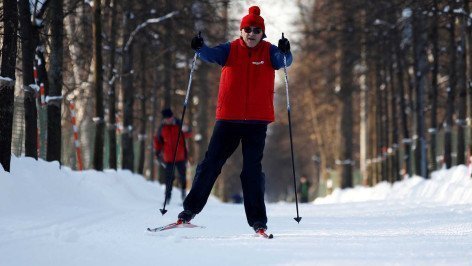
283, 36
199, 34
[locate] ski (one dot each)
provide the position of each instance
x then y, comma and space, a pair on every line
262, 233
179, 224
173, 225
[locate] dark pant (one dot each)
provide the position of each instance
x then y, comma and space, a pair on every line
224, 141
180, 168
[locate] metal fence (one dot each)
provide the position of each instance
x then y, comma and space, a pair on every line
18, 131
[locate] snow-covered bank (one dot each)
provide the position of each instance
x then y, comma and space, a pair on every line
38, 184
51, 216
453, 186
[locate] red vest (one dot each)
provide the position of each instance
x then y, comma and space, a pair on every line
247, 84
166, 139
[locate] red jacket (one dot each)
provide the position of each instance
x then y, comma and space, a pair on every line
247, 84
166, 139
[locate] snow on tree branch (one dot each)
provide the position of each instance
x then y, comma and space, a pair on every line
37, 8
6, 82
144, 24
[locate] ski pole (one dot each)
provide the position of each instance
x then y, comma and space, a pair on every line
298, 218
163, 210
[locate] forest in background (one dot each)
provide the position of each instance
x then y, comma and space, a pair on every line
380, 90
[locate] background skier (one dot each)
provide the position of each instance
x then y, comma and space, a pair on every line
164, 145
304, 189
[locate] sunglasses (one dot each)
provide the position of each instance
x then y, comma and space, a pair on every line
254, 30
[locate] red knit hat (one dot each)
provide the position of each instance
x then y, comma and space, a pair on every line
253, 19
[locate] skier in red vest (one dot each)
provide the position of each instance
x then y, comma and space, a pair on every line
244, 109
164, 145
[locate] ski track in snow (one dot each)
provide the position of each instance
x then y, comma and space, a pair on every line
57, 223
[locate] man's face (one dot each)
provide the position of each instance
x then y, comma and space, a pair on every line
251, 36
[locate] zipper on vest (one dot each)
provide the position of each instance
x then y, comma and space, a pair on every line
247, 84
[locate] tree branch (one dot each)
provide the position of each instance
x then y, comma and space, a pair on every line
143, 25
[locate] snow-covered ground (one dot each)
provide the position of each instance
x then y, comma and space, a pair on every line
51, 216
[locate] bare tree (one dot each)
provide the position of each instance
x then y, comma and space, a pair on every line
98, 85
56, 59
434, 84
27, 52
168, 58
127, 87
421, 71
112, 73
403, 106
143, 118
469, 67
394, 100
451, 90
462, 84
348, 59
7, 79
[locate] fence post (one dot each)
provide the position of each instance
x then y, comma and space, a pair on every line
38, 129
41, 131
76, 136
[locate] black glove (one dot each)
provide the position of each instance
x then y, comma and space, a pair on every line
284, 45
160, 160
197, 42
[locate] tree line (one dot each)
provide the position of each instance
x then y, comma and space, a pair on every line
388, 85
109, 57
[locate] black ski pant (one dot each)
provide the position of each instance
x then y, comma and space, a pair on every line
224, 141
181, 169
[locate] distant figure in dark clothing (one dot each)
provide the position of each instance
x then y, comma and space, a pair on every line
303, 189
165, 142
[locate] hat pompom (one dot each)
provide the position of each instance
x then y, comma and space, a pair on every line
253, 19
255, 10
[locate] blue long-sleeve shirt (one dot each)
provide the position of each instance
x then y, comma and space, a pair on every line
219, 54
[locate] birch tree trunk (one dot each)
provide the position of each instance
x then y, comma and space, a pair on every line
81, 80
